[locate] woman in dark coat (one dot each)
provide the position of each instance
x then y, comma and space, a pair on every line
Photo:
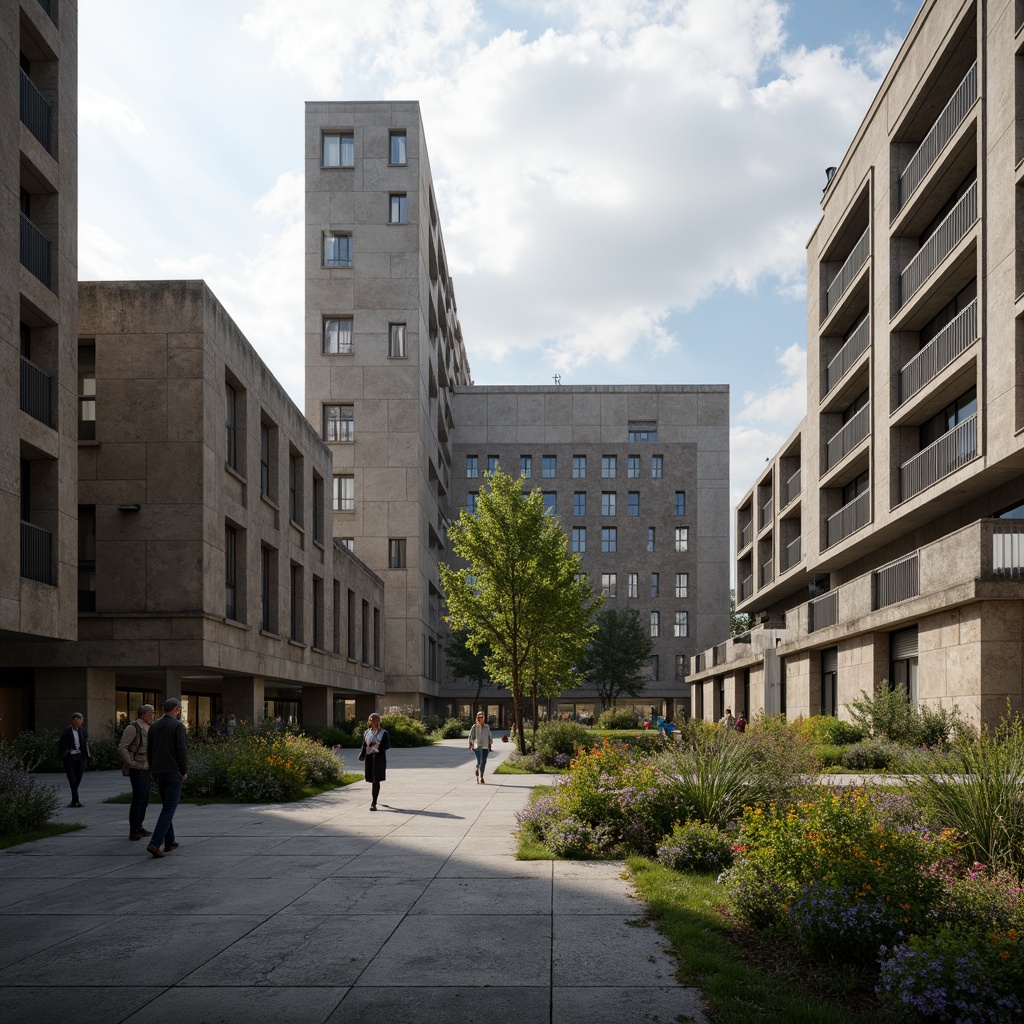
373, 754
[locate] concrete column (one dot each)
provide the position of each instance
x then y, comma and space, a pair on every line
60, 692
365, 703
243, 697
172, 683
317, 708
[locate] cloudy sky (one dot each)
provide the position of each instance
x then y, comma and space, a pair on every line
625, 187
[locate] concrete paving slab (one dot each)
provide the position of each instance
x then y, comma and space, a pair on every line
582, 952
183, 863
221, 896
322, 846
14, 890
101, 1005
442, 1005
348, 895
475, 896
26, 935
647, 1005
467, 864
100, 896
239, 1006
62, 867
577, 894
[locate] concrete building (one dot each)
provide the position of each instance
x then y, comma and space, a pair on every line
206, 566
884, 540
388, 385
38, 301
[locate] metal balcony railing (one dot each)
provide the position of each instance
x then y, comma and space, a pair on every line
36, 553
853, 348
746, 535
793, 554
900, 580
790, 489
940, 244
844, 440
35, 112
746, 588
939, 134
35, 392
847, 272
767, 513
955, 338
35, 250
823, 611
942, 457
767, 572
850, 518
1008, 549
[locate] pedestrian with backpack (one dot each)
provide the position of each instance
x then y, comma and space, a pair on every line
135, 764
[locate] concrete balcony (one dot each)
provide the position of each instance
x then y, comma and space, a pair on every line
853, 348
953, 340
847, 273
844, 440
851, 517
941, 458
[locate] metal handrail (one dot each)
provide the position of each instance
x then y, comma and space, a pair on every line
954, 449
36, 553
1008, 549
899, 580
767, 512
848, 271
823, 611
850, 518
35, 111
746, 588
36, 389
943, 240
767, 572
746, 535
793, 554
955, 338
944, 128
852, 349
790, 489
35, 250
844, 440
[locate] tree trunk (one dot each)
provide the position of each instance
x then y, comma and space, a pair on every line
517, 711
536, 710
476, 699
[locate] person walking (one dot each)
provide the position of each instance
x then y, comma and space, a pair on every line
741, 723
167, 753
373, 754
728, 722
73, 751
132, 748
480, 743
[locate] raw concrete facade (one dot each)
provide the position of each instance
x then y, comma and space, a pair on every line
388, 385
38, 300
207, 568
884, 540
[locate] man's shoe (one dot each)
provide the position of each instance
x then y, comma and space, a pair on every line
154, 850
144, 832
170, 846
75, 804
134, 836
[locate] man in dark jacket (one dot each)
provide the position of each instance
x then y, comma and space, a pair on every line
167, 753
73, 751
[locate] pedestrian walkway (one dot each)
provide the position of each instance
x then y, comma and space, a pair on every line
321, 911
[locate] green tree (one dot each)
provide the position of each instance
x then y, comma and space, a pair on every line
522, 598
465, 663
617, 658
739, 622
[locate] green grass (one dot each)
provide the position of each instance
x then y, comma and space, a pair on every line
510, 768
530, 848
347, 778
744, 979
53, 829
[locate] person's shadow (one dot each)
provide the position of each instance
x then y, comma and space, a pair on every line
422, 814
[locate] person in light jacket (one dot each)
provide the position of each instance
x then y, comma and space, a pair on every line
132, 748
480, 744
373, 754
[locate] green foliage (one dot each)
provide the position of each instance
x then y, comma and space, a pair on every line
890, 715
561, 737
978, 791
831, 730
463, 661
343, 734
37, 751
873, 755
26, 804
452, 729
578, 840
829, 755
618, 718
616, 660
695, 846
404, 731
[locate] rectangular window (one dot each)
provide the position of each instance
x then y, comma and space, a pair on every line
267, 616
655, 623
396, 341
550, 502
653, 668
526, 466
682, 538
492, 463
633, 503
680, 627
396, 148
349, 543
579, 539
680, 666
471, 499
655, 584
609, 539
87, 558
318, 509
318, 613
579, 466
680, 503
650, 538
296, 603
472, 467
231, 426
265, 459
344, 493
376, 638
657, 466
294, 488
633, 585
608, 584
633, 467
351, 625
339, 423
398, 209
339, 150
607, 503
396, 553
547, 466
643, 430
86, 392
338, 336
364, 645
336, 615
608, 464
337, 250
579, 503
682, 584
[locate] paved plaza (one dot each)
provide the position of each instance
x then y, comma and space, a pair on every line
321, 911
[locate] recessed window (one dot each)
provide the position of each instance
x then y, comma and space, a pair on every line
608, 584
608, 464
547, 466
680, 503
349, 543
337, 250
550, 502
680, 666
609, 539
396, 341
472, 466
650, 538
682, 538
398, 208
344, 493
579, 503
657, 466
265, 453
295, 488
338, 336
471, 499
643, 430
526, 465
87, 392
652, 668
655, 584
655, 623
295, 599
396, 553
339, 424
492, 463
318, 509
633, 585
268, 572
231, 426
682, 584
397, 148
633, 467
607, 503
579, 466
230, 572
633, 503
339, 149
680, 627
578, 539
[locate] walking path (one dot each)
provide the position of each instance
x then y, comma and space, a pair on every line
321, 911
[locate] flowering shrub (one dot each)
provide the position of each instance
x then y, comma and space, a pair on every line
538, 816
526, 762
264, 774
25, 804
570, 837
562, 760
403, 730
695, 846
618, 718
827, 729
560, 737
873, 755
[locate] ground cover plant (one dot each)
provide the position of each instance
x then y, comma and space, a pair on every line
26, 804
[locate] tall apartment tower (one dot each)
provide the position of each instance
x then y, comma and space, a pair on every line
383, 354
885, 540
38, 313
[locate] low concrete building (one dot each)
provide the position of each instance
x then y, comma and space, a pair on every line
207, 568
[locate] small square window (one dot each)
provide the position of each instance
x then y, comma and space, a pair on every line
682, 538
607, 503
398, 208
579, 539
650, 538
609, 539
339, 150
579, 503
680, 627
633, 467
682, 584
547, 466
579, 466
655, 623
680, 503
396, 553
338, 337
657, 466
655, 584
337, 250
633, 585
608, 464
526, 466
396, 341
633, 503
397, 148
608, 584
471, 502
472, 466
344, 493
348, 542
492, 463
339, 424
550, 501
